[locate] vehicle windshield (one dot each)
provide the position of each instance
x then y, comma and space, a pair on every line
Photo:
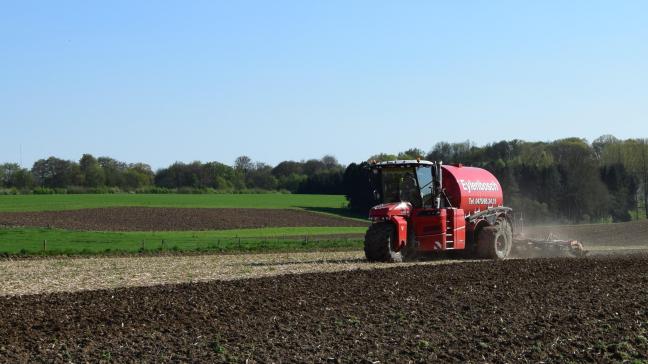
412, 185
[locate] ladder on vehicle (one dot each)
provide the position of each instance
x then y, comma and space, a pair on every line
450, 225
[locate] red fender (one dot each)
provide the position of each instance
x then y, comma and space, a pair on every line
401, 232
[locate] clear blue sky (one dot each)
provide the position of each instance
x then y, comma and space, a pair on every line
160, 81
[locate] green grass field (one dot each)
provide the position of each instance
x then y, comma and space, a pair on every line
37, 241
55, 241
73, 202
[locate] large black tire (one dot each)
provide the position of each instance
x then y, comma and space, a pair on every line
378, 243
495, 242
410, 252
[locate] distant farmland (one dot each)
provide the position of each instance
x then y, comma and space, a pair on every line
131, 223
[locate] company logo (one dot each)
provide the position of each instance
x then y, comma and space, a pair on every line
478, 186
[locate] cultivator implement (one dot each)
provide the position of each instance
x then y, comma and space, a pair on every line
549, 247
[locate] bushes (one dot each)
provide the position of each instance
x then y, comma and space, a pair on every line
152, 190
73, 190
9, 191
43, 191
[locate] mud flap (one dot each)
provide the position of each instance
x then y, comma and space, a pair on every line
401, 232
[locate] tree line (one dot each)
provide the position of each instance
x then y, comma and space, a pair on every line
104, 174
567, 180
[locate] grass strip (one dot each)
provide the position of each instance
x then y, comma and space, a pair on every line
42, 241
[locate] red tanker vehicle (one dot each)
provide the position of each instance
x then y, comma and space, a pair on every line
431, 207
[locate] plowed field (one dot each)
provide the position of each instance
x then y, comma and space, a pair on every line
591, 309
171, 219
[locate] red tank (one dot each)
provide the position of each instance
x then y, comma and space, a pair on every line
471, 189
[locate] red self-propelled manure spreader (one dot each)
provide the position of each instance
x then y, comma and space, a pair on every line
429, 207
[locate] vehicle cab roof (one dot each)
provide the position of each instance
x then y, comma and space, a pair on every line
402, 163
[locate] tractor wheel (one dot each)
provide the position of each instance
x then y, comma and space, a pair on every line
495, 242
410, 252
378, 243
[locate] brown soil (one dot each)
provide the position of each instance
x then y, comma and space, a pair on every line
171, 219
634, 233
551, 310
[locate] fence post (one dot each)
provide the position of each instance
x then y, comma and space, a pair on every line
44, 245
239, 243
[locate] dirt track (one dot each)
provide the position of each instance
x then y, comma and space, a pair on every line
519, 310
171, 219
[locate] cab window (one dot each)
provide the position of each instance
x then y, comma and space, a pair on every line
424, 176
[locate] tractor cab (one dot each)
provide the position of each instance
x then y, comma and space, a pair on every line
408, 181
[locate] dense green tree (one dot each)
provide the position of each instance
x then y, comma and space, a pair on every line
7, 171
22, 179
196, 175
93, 174
57, 173
113, 171
12, 175
412, 153
622, 188
292, 182
179, 175
260, 176
583, 196
288, 168
313, 166
451, 152
217, 175
382, 157
328, 182
358, 187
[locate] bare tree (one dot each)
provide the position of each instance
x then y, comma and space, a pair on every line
330, 161
243, 164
